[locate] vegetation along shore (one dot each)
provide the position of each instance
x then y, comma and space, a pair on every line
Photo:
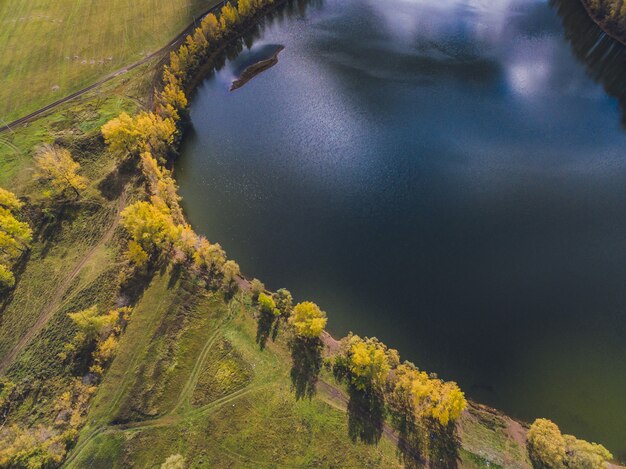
127, 339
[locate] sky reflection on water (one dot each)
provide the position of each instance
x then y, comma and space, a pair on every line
448, 176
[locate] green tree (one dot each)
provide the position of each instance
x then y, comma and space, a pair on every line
91, 323
284, 302
256, 288
231, 273
267, 305
308, 320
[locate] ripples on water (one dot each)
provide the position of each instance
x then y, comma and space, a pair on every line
448, 176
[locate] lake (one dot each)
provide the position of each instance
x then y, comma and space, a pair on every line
449, 176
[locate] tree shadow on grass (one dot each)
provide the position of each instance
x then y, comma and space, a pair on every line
265, 323
365, 415
411, 442
306, 358
444, 446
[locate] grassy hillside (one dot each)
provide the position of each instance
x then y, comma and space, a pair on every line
191, 380
51, 49
188, 378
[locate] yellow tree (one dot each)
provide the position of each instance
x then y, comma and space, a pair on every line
585, 455
231, 272
56, 166
91, 323
228, 17
546, 445
15, 236
267, 305
369, 362
244, 8
127, 136
171, 101
447, 402
208, 256
161, 184
211, 27
308, 320
150, 225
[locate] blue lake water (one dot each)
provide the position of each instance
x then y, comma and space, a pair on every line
449, 176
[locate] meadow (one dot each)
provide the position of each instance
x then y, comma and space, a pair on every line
52, 49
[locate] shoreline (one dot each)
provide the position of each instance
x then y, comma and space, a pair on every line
603, 24
330, 343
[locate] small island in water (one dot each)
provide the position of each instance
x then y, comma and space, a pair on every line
256, 68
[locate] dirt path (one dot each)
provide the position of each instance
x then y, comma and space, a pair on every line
61, 289
178, 39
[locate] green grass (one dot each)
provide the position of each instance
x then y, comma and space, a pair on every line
223, 402
52, 49
76, 125
66, 239
224, 374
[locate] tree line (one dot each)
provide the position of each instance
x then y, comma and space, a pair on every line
423, 409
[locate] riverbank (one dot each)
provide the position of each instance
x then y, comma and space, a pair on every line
603, 24
215, 144
177, 340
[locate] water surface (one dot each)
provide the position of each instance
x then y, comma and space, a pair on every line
447, 175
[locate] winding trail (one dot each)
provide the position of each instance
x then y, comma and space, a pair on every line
59, 292
177, 40
174, 415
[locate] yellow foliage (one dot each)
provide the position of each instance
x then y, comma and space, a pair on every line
9, 201
209, 256
369, 362
130, 136
548, 448
210, 27
584, 455
308, 320
267, 305
231, 271
56, 166
136, 254
162, 185
170, 101
228, 17
546, 444
91, 323
150, 224
447, 402
244, 8
15, 236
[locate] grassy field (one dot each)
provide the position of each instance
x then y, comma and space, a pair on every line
51, 49
190, 379
73, 256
